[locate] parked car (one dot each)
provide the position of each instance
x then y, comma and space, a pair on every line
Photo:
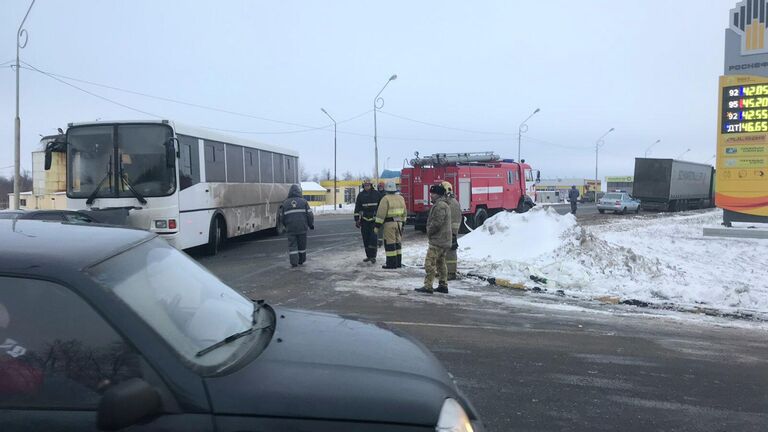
618, 202
48, 215
109, 328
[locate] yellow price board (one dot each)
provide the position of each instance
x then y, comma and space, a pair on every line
742, 145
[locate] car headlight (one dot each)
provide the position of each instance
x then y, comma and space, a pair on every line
453, 418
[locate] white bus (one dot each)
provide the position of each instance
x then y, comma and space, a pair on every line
190, 185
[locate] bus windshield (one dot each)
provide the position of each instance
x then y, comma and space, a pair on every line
107, 161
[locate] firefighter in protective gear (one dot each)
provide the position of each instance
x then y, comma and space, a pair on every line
389, 224
366, 204
296, 216
451, 259
439, 235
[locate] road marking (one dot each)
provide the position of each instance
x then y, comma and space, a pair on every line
405, 323
308, 237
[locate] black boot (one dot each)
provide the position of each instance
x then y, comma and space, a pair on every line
442, 288
425, 290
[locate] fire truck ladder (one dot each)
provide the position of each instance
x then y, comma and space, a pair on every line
440, 159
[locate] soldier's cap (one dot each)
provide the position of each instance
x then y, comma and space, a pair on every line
437, 189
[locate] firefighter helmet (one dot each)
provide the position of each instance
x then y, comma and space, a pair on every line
367, 181
447, 186
437, 189
390, 187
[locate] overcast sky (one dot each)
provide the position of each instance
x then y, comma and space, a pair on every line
647, 68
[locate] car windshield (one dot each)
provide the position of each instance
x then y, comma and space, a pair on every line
186, 305
106, 161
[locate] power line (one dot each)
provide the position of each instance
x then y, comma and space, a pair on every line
305, 128
445, 127
196, 105
94, 94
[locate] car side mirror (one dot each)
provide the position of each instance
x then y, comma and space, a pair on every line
126, 404
170, 153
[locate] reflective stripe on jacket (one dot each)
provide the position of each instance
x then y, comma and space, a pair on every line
366, 205
296, 215
391, 209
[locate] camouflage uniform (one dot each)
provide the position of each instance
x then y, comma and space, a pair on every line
452, 258
439, 235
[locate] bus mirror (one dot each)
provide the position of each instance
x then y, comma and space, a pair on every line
170, 153
48, 158
538, 176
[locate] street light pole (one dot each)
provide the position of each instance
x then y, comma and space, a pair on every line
600, 141
378, 103
649, 147
521, 130
20, 33
335, 192
682, 154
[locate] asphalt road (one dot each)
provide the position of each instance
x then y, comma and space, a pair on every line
529, 364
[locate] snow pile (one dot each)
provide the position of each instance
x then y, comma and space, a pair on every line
660, 259
329, 209
517, 237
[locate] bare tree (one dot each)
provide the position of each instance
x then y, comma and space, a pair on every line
315, 178
326, 174
347, 175
303, 173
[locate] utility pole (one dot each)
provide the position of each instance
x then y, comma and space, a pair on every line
521, 130
334, 156
20, 33
599, 143
378, 103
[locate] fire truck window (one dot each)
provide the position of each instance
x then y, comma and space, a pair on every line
512, 177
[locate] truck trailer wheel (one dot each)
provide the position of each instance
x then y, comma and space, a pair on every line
480, 216
601, 211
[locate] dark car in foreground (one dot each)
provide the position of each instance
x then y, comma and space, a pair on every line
106, 328
72, 216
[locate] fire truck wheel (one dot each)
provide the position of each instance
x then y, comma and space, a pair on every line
480, 216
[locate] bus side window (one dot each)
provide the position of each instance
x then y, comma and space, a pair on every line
189, 162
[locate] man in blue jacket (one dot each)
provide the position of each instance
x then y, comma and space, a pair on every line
573, 197
296, 217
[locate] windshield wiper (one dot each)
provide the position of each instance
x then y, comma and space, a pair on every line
95, 192
136, 193
234, 337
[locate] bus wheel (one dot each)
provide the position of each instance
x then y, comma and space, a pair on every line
480, 216
216, 236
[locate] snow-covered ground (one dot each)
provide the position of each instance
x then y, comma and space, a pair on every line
660, 260
329, 209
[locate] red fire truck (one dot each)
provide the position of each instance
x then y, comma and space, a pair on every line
484, 185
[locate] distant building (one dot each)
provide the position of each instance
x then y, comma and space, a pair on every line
48, 187
561, 187
622, 183
314, 193
347, 190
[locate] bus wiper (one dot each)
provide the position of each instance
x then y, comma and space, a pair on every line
136, 193
95, 192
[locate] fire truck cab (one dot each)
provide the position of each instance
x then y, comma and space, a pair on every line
484, 185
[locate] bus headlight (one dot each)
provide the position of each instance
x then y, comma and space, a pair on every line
453, 418
161, 224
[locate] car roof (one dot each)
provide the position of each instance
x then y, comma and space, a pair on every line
38, 247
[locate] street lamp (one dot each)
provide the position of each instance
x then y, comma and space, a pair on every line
599, 143
649, 147
334, 155
20, 33
521, 130
683, 153
378, 103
